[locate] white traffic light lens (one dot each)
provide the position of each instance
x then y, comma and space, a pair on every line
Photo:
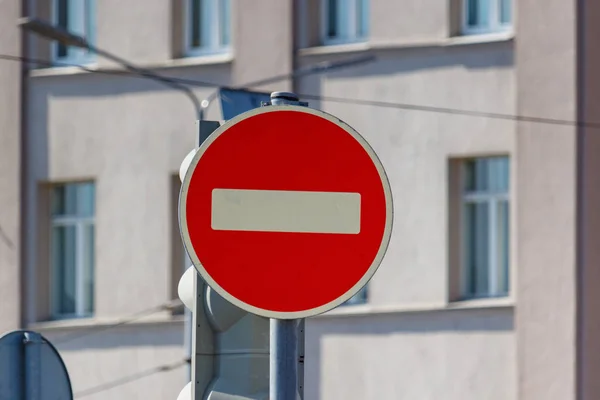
186, 163
185, 288
186, 392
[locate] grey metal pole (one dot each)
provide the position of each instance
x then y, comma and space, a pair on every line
187, 341
188, 314
283, 359
284, 355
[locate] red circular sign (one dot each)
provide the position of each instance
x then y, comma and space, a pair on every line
286, 211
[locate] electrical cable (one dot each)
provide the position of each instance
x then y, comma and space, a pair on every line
454, 111
170, 305
317, 68
48, 63
362, 102
196, 83
130, 378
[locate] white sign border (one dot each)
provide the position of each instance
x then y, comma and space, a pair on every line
387, 233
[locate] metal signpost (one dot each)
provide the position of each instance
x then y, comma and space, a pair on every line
286, 212
31, 368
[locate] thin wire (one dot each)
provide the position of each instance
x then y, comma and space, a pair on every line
373, 103
445, 110
47, 63
132, 318
131, 378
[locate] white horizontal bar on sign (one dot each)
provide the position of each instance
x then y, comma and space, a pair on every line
285, 211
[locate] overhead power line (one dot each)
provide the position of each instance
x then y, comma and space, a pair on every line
130, 378
168, 306
322, 67
361, 102
317, 68
48, 63
445, 110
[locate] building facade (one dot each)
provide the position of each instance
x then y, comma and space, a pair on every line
482, 112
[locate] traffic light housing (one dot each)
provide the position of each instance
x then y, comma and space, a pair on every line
230, 347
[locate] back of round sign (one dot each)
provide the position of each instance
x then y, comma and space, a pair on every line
31, 368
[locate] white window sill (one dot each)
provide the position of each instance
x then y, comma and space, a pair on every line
334, 49
399, 45
212, 59
85, 323
367, 309
188, 61
481, 38
62, 70
490, 302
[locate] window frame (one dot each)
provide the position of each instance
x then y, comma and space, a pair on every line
80, 223
352, 24
495, 26
74, 54
493, 199
216, 47
361, 297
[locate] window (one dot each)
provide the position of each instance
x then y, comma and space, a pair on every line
487, 16
72, 250
486, 227
78, 17
359, 298
207, 26
344, 21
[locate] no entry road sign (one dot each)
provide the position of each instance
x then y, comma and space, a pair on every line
286, 211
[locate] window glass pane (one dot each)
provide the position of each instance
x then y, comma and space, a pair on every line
503, 248
77, 16
86, 199
478, 13
489, 174
472, 13
64, 200
88, 269
484, 13
477, 248
62, 20
57, 201
469, 176
362, 13
225, 25
505, 11
476, 175
359, 298
63, 267
481, 175
343, 20
497, 171
195, 18
332, 18
487, 178
494, 172
62, 13
504, 174
90, 21
208, 16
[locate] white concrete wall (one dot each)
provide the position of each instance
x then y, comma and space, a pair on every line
409, 342
130, 135
450, 355
123, 362
415, 146
550, 307
10, 167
